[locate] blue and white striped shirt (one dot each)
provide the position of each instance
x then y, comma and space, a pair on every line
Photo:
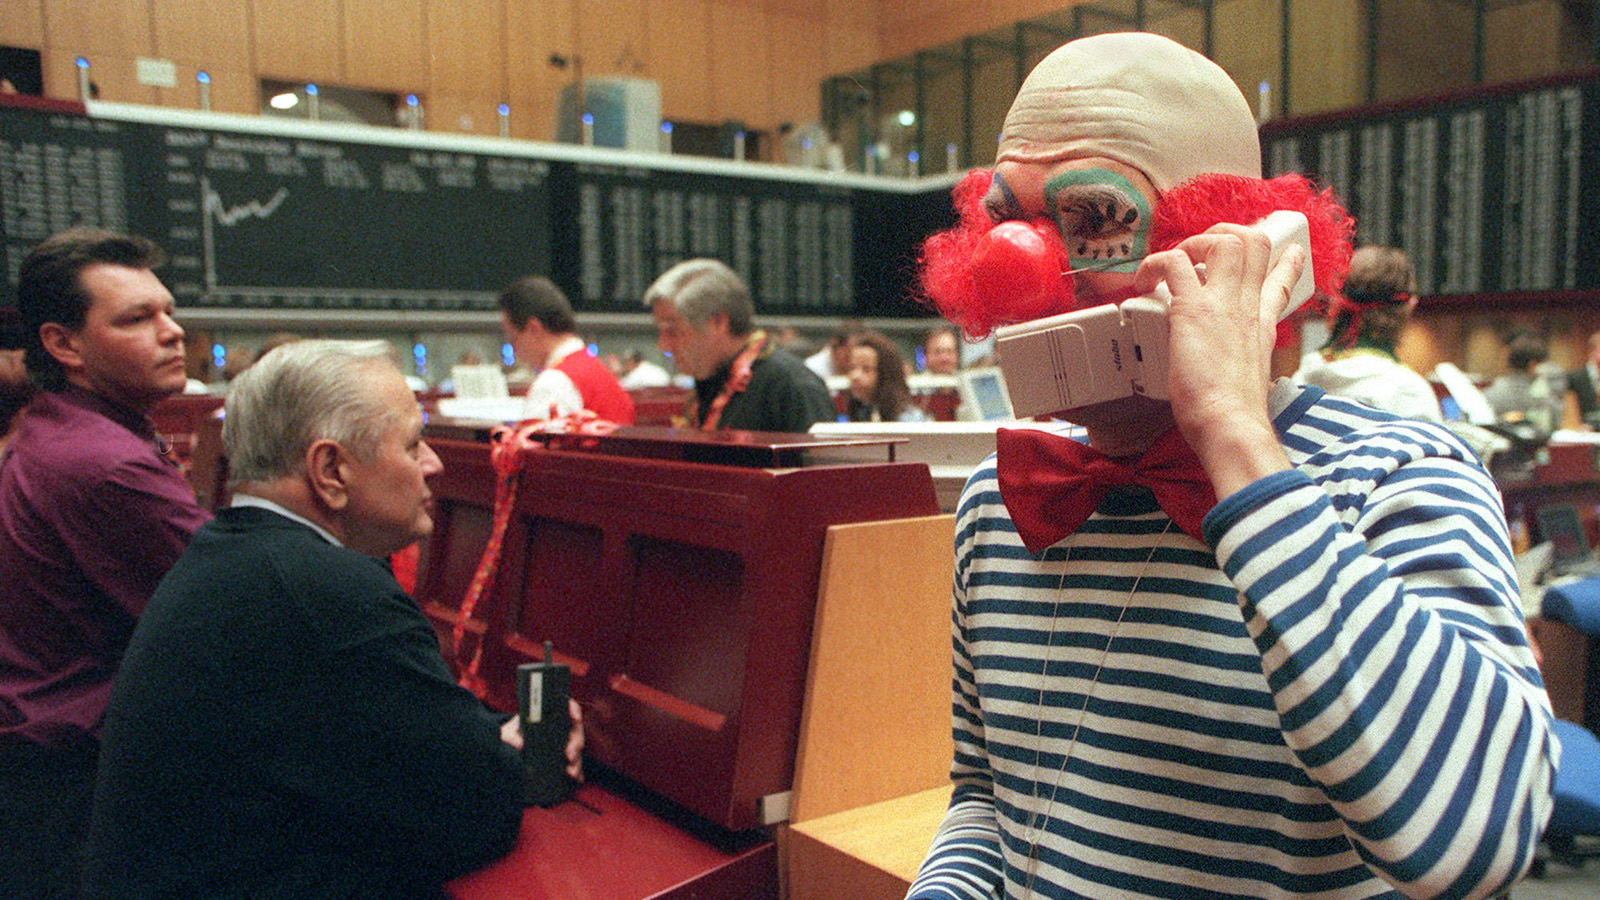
1337, 701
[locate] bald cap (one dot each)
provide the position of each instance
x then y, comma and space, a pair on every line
1141, 99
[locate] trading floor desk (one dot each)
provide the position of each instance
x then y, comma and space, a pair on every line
676, 573
1561, 473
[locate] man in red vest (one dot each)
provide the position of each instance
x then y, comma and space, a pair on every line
538, 323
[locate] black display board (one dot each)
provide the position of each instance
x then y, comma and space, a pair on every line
1494, 192
284, 221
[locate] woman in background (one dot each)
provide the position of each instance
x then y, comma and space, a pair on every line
878, 391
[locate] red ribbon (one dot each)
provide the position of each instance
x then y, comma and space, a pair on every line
1051, 484
738, 378
508, 452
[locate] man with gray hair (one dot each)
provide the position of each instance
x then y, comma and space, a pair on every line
741, 378
283, 724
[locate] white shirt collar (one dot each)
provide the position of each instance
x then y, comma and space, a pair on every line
569, 345
269, 506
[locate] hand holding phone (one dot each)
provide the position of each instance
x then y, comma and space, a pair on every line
1113, 351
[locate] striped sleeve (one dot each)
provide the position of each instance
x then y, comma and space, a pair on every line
1376, 581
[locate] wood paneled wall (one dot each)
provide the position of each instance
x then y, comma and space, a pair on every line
1424, 46
757, 61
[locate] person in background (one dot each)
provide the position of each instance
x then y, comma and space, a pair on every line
92, 514
1252, 640
1584, 383
941, 351
638, 372
833, 359
703, 319
15, 386
1523, 393
15, 391
1358, 362
539, 325
878, 390
283, 724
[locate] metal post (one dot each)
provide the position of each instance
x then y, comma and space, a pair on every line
967, 84
1372, 51
1284, 29
1479, 18
919, 77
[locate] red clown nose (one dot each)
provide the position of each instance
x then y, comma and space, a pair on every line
1024, 261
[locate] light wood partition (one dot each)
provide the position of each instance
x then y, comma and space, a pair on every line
678, 43
876, 721
872, 771
372, 58
21, 23
869, 853
299, 40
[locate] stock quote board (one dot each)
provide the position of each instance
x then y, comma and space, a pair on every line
259, 213
1492, 193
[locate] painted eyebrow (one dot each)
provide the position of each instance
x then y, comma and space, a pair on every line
1005, 191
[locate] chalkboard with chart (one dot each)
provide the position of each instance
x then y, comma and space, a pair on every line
258, 214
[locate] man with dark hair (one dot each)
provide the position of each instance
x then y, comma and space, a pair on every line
1522, 393
539, 325
742, 380
832, 360
92, 514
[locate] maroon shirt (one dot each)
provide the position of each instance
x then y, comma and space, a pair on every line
91, 516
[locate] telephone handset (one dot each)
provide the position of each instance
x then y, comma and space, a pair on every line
1113, 351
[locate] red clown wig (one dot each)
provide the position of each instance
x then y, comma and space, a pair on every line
981, 275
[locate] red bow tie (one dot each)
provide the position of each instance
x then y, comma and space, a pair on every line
1051, 484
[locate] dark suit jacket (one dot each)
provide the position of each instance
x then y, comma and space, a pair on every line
284, 726
1583, 387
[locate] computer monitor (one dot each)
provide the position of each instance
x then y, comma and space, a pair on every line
983, 390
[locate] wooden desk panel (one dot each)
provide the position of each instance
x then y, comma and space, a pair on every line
680, 593
178, 420
683, 596
1565, 666
600, 846
1567, 473
663, 406
463, 511
868, 853
208, 465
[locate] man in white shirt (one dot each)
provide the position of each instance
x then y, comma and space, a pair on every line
638, 372
833, 359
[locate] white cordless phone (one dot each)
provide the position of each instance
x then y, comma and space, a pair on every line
1108, 352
